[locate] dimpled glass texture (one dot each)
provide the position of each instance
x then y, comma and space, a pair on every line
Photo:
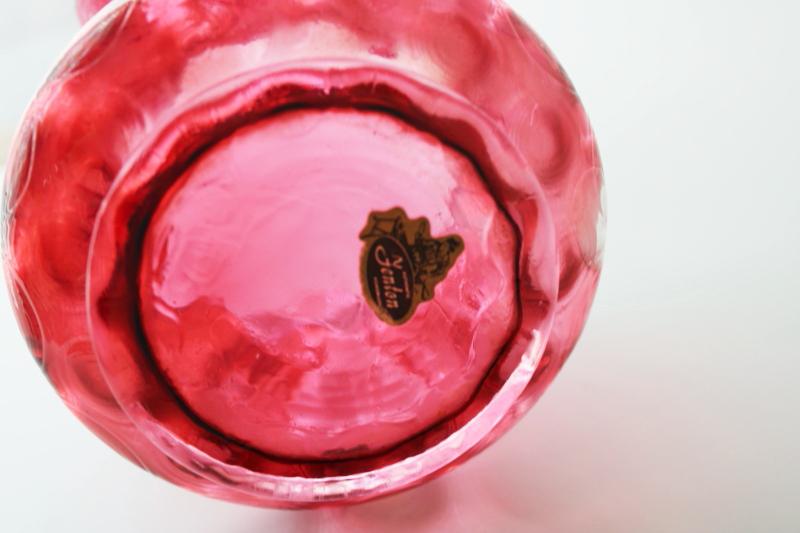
182, 214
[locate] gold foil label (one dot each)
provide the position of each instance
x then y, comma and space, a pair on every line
402, 264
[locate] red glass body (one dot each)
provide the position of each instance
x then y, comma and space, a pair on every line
183, 209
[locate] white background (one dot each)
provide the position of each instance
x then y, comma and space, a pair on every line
678, 412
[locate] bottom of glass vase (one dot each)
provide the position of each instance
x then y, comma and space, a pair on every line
247, 295
254, 295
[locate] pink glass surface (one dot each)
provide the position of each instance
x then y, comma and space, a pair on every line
183, 208
87, 8
252, 309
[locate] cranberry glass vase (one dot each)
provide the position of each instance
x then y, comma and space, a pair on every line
290, 253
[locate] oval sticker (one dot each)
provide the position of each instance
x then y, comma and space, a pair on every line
401, 263
390, 278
